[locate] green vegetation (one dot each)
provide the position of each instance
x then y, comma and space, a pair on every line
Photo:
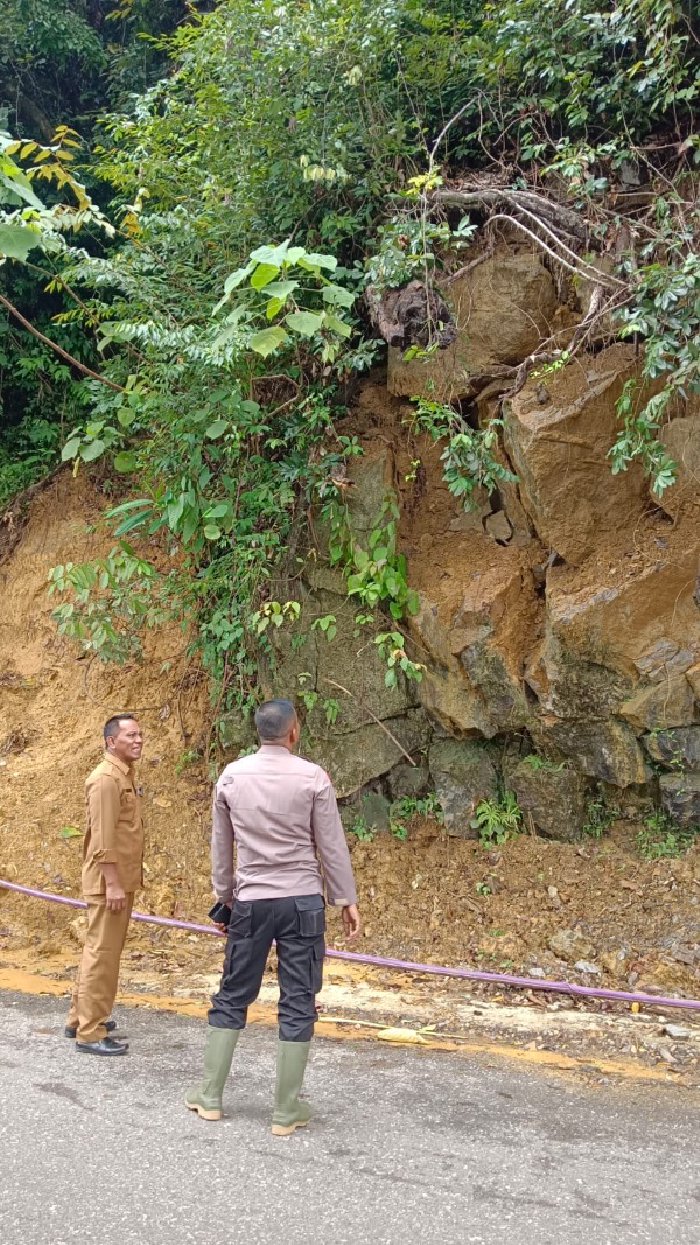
497, 821
538, 763
661, 837
600, 815
197, 207
468, 460
62, 62
408, 806
401, 813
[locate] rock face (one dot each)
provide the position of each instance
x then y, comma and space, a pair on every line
552, 797
463, 775
476, 620
559, 450
681, 437
558, 619
502, 308
680, 798
676, 749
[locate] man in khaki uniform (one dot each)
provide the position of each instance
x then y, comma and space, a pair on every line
112, 871
281, 812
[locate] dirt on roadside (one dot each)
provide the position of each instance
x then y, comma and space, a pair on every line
533, 906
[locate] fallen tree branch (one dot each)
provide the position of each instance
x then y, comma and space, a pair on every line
582, 264
392, 737
579, 271
492, 197
47, 341
466, 268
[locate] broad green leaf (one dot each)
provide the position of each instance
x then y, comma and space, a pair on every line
16, 184
16, 241
281, 289
174, 512
305, 322
273, 308
236, 278
189, 526
216, 429
279, 255
126, 416
336, 326
138, 503
268, 340
270, 254
133, 521
126, 461
336, 295
211, 531
263, 275
313, 260
70, 449
93, 450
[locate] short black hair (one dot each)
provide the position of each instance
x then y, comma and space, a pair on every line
274, 719
111, 726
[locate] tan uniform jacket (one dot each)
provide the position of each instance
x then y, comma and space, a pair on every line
282, 814
114, 830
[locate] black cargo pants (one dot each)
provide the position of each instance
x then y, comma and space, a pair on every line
297, 925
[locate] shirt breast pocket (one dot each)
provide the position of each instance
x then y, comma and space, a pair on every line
127, 808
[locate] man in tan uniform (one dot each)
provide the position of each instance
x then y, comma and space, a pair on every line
281, 812
112, 871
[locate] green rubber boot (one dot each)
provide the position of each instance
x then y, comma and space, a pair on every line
290, 1113
206, 1100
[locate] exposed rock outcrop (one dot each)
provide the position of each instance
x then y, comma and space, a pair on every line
559, 616
502, 307
559, 448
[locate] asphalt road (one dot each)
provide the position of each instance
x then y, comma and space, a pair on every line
407, 1146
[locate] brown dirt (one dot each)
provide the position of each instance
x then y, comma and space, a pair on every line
425, 899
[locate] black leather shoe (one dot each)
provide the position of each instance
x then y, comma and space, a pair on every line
72, 1030
106, 1046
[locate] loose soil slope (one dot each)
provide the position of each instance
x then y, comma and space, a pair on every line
532, 904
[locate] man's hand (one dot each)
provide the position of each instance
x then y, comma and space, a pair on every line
220, 915
351, 922
115, 897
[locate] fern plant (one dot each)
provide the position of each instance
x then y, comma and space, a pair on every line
497, 821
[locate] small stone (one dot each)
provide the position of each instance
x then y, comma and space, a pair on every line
677, 1031
537, 972
498, 527
568, 944
614, 962
585, 966
667, 1055
682, 956
675, 748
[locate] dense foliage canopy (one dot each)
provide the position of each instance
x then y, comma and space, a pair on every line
273, 163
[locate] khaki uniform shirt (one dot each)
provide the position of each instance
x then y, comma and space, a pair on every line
281, 811
114, 830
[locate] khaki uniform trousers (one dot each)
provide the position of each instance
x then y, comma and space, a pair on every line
96, 983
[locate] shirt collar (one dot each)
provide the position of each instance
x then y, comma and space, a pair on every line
120, 765
274, 748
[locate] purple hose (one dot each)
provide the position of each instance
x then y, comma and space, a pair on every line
406, 966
